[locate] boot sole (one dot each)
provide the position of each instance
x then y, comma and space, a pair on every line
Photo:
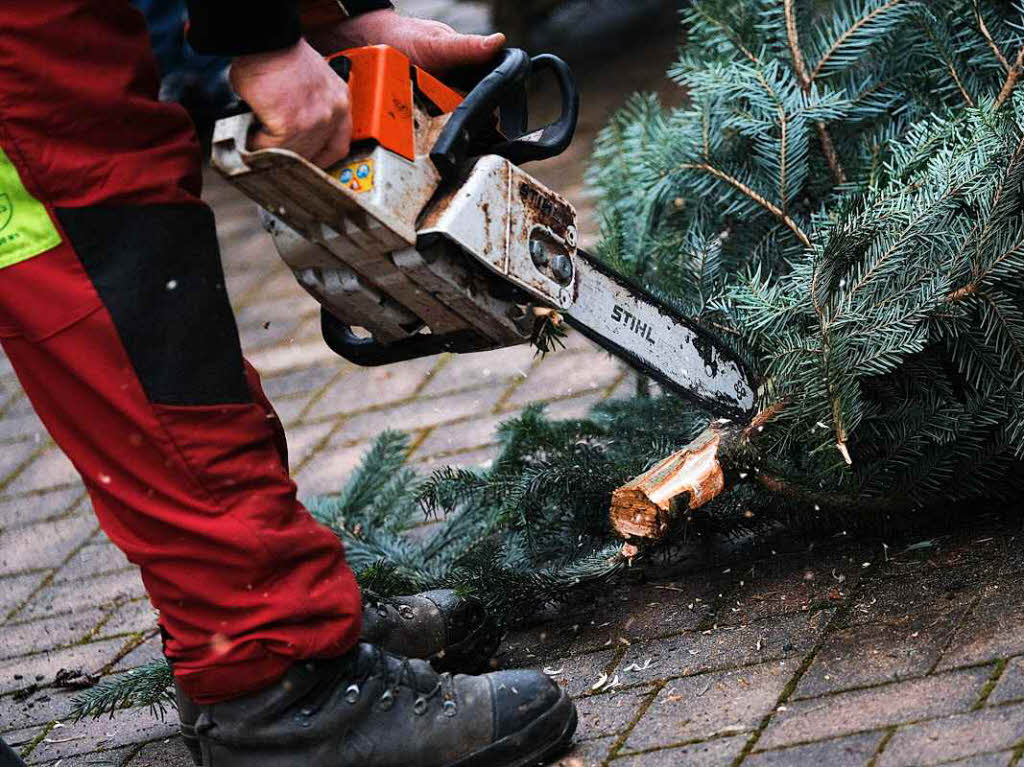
543, 739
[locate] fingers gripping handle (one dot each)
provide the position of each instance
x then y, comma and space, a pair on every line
508, 80
232, 132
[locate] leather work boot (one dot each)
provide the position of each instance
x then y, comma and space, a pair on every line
452, 632
372, 709
7, 756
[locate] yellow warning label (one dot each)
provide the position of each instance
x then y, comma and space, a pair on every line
25, 227
357, 176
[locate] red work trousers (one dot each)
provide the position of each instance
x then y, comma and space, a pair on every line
114, 314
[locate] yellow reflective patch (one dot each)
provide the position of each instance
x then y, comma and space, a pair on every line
25, 227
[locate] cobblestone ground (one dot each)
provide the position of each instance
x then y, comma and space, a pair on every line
849, 654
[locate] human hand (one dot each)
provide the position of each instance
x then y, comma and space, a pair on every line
302, 105
433, 45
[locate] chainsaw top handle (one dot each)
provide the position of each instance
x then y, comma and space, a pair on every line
504, 90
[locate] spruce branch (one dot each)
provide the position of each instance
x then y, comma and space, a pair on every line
848, 34
744, 189
148, 685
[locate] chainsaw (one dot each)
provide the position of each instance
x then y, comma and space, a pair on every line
429, 237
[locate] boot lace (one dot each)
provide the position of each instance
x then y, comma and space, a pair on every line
398, 673
395, 672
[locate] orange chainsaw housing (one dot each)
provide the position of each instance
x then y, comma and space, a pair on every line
383, 86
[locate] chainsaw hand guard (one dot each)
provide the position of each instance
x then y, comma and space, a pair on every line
466, 134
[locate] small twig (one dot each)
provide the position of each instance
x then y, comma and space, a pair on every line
959, 84
769, 414
962, 293
1014, 344
988, 37
794, 45
834, 501
783, 160
826, 353
951, 66
828, 146
863, 20
727, 30
981, 274
1012, 77
771, 207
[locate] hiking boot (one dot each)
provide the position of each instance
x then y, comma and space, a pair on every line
7, 756
452, 632
372, 709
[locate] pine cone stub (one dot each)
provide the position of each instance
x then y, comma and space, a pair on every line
688, 479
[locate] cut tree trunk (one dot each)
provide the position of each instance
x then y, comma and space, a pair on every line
646, 507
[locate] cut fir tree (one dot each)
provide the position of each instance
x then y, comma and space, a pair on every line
842, 197
841, 202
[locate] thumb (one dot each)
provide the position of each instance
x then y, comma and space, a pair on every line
441, 52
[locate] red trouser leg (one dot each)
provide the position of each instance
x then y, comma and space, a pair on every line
123, 339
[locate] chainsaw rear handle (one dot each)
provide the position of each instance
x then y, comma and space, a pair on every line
248, 123
504, 90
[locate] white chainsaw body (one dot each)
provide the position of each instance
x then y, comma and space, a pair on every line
382, 244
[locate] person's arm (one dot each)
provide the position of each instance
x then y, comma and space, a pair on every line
430, 44
302, 105
241, 27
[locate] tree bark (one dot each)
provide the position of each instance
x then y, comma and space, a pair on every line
645, 507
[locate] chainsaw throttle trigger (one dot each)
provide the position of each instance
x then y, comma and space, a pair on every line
469, 132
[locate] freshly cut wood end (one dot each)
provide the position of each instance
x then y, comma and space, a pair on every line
644, 507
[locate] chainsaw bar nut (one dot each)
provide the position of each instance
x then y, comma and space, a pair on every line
539, 254
561, 265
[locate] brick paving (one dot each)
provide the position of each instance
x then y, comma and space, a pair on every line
844, 654
735, 661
